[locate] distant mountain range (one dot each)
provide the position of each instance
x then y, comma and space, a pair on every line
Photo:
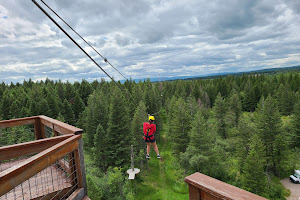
214, 75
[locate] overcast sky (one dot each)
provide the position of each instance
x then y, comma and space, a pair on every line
147, 38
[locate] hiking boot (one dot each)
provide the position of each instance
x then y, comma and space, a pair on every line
158, 156
147, 156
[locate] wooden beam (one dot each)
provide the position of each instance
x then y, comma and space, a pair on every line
17, 122
78, 194
212, 189
59, 126
28, 148
17, 174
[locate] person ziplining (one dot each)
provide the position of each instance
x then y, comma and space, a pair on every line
149, 129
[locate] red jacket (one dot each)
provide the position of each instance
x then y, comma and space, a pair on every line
150, 129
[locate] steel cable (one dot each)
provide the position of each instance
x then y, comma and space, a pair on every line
105, 59
129, 96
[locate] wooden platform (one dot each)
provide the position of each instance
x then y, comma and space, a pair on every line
52, 164
48, 182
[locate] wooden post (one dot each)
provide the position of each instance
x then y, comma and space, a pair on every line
82, 167
78, 169
194, 193
39, 129
55, 133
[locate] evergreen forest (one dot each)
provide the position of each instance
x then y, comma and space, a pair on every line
243, 130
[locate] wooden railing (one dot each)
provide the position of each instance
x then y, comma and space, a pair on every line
207, 188
62, 152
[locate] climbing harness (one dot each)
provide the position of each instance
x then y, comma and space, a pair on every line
148, 137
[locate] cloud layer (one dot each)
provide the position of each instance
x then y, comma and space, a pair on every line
148, 38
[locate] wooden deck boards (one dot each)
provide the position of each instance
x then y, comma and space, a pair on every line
51, 179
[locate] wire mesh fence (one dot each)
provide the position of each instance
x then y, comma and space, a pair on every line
17, 134
57, 181
20, 134
49, 132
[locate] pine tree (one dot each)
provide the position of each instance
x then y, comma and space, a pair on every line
246, 130
53, 102
85, 90
269, 126
69, 92
15, 109
197, 153
5, 105
78, 105
68, 113
285, 100
96, 113
119, 138
296, 124
60, 90
253, 177
234, 104
43, 108
219, 111
100, 148
60, 117
137, 127
192, 105
180, 126
283, 157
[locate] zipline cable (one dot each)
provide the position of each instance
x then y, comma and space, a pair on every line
105, 60
129, 96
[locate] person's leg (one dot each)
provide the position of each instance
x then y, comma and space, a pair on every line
148, 147
155, 147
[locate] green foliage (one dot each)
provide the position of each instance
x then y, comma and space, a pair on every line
285, 99
179, 126
118, 131
296, 125
137, 127
253, 176
219, 111
269, 128
100, 148
5, 105
96, 113
246, 130
210, 125
112, 185
68, 113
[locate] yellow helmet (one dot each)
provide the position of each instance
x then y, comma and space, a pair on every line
151, 118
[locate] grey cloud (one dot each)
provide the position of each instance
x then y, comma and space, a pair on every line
144, 38
121, 40
294, 5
